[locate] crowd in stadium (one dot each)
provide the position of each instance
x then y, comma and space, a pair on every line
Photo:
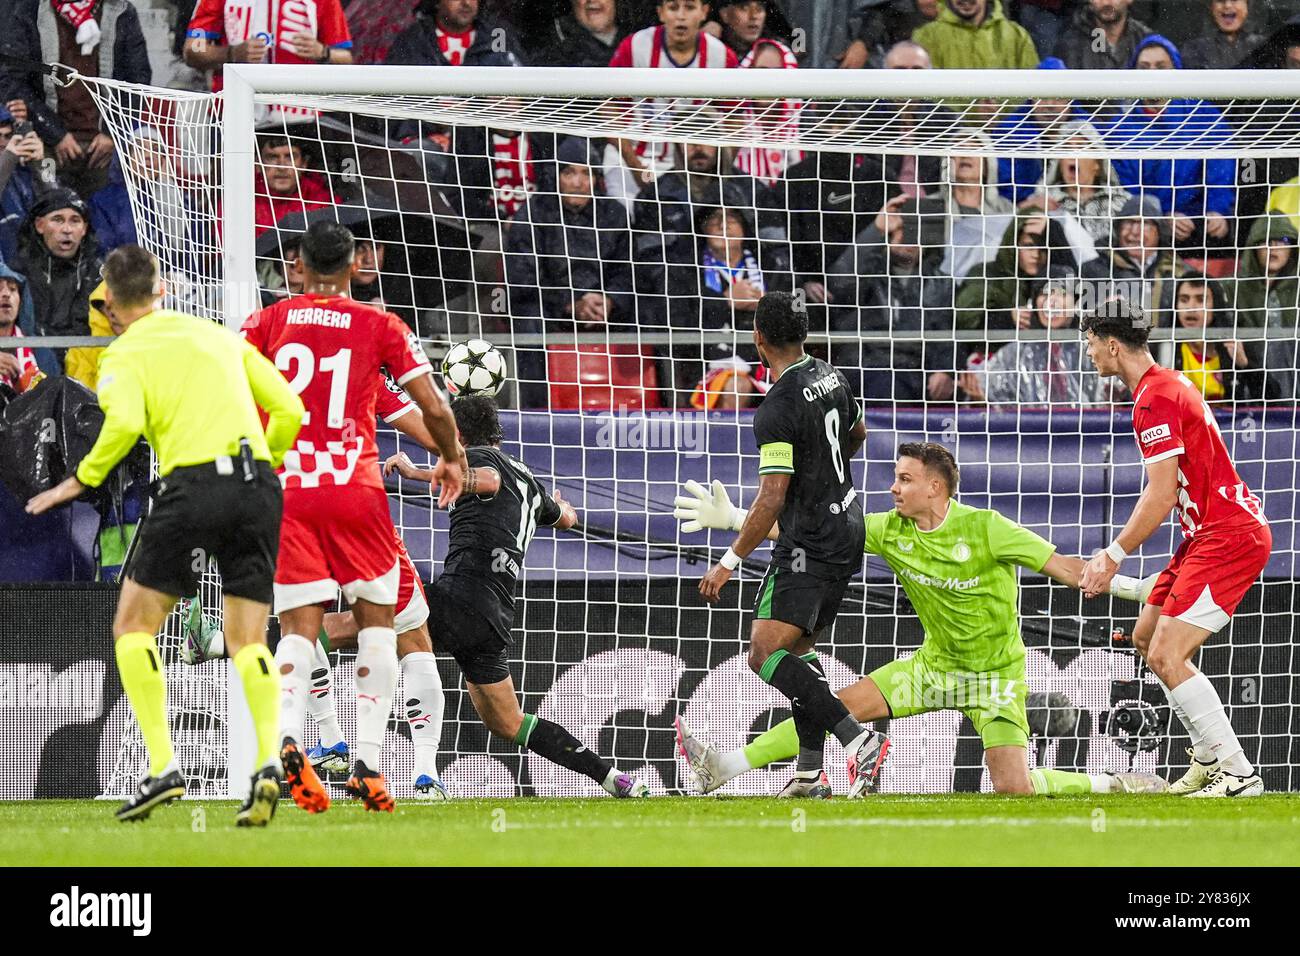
585, 236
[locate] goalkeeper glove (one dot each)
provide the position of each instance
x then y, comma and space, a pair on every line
702, 510
1133, 589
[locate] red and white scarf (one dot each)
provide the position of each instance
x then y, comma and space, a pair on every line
454, 46
513, 174
80, 14
778, 121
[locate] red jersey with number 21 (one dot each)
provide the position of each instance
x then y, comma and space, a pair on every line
332, 349
1170, 417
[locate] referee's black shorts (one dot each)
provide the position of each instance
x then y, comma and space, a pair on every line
199, 515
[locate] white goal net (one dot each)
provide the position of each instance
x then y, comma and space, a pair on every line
944, 231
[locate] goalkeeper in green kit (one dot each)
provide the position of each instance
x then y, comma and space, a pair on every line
958, 567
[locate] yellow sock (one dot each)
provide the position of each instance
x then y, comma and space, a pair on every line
261, 679
141, 668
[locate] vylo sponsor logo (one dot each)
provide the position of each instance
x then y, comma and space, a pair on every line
1154, 434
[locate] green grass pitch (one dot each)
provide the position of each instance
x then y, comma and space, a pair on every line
953, 830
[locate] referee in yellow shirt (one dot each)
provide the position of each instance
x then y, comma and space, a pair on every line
192, 388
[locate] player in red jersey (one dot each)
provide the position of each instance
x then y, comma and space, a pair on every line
1226, 543
423, 697
336, 533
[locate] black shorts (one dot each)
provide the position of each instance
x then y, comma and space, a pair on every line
464, 633
805, 600
198, 515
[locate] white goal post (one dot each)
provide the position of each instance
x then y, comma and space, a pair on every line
613, 612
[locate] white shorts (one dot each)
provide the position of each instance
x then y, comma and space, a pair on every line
380, 590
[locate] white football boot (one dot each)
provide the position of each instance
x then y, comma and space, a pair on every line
701, 760
1227, 784
1196, 777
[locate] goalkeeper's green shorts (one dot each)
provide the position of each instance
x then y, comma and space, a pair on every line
993, 700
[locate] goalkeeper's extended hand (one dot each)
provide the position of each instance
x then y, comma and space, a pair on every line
704, 510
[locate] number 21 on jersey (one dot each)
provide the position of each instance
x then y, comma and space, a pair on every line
305, 365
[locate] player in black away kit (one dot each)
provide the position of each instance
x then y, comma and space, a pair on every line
807, 429
472, 604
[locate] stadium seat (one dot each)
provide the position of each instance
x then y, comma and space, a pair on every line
601, 376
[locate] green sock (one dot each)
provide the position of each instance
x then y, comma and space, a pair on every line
779, 743
526, 727
324, 639
261, 680
1048, 782
140, 666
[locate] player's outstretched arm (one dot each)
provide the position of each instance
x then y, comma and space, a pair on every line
1156, 501
568, 513
484, 482
699, 509
772, 490
450, 471
1068, 570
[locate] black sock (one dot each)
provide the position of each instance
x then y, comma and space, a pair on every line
806, 687
559, 746
812, 738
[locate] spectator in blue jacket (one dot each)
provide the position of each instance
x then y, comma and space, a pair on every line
1035, 123
1199, 194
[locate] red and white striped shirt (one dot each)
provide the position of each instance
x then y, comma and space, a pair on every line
649, 48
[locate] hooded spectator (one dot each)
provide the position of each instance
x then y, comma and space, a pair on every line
587, 35
1036, 372
1141, 261
743, 24
59, 255
998, 295
1267, 295
1219, 368
66, 116
1084, 185
1035, 124
82, 363
966, 207
1107, 21
976, 35
1200, 194
25, 173
568, 261
879, 25
1227, 41
18, 369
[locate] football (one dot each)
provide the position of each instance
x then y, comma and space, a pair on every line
474, 368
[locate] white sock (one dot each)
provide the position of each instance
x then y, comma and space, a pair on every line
608, 784
294, 652
422, 687
1101, 782
732, 764
377, 658
1205, 713
217, 645
320, 702
1199, 750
